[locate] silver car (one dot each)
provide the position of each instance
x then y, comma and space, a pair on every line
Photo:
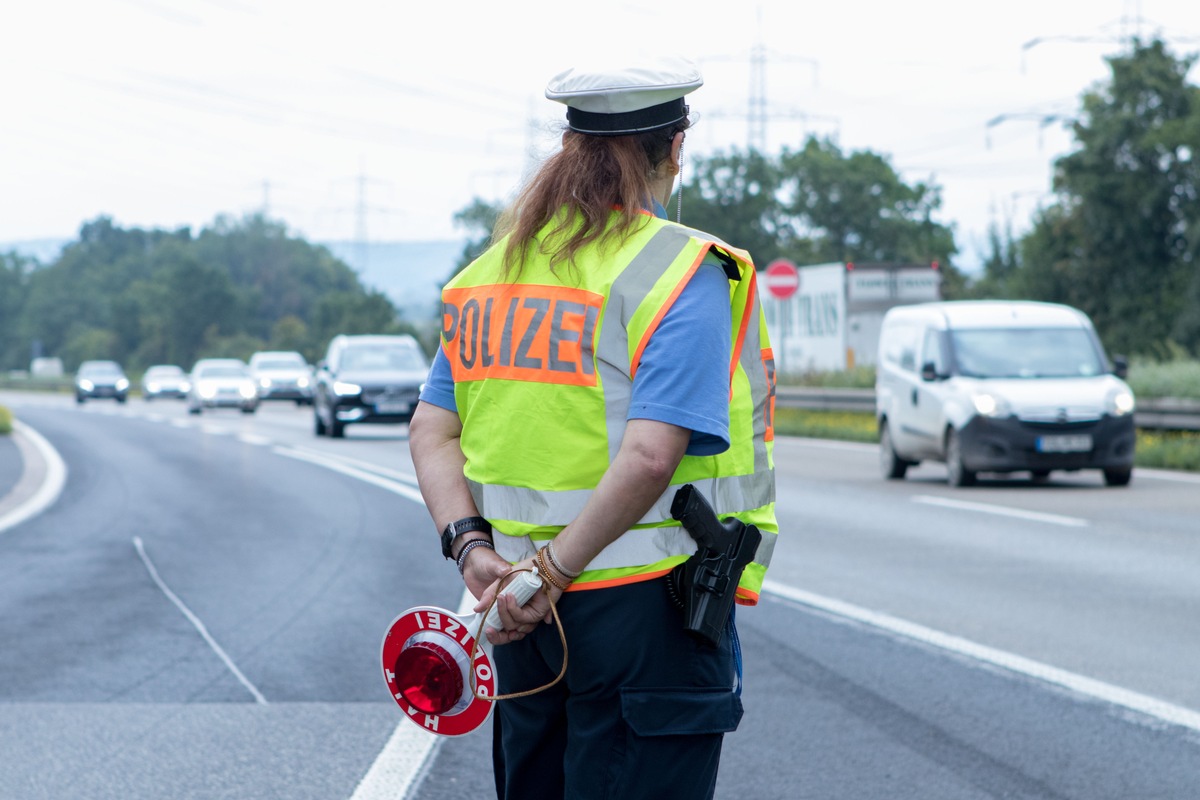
282, 375
164, 380
222, 383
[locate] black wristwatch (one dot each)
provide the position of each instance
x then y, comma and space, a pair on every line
458, 528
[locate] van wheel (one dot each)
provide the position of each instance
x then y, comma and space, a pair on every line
891, 465
956, 473
1118, 477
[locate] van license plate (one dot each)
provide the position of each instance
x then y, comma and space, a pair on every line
1079, 443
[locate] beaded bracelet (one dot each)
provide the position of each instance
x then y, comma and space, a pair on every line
548, 571
554, 562
468, 547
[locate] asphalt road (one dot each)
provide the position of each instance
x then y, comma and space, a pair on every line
200, 612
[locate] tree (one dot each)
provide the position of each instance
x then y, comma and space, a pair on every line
811, 205
153, 296
479, 219
1122, 242
736, 196
14, 270
817, 204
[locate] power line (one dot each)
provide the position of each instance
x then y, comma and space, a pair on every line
758, 109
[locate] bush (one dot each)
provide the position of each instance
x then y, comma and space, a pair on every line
6, 421
860, 377
1161, 449
1177, 378
1168, 449
851, 426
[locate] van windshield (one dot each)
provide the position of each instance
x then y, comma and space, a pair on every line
1026, 353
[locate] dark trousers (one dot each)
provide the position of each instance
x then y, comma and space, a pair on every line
640, 713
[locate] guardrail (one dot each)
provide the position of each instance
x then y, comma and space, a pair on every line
1157, 413
1153, 413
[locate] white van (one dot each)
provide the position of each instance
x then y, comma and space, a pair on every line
1000, 386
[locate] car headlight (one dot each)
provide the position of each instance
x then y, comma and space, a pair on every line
990, 405
152, 387
208, 391
86, 385
302, 383
185, 387
343, 389
122, 384
264, 383
248, 391
1120, 403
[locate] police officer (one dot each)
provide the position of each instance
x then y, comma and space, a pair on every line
594, 359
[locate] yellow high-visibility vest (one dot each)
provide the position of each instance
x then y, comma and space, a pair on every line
543, 369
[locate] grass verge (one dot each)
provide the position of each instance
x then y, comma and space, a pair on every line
1159, 449
6, 421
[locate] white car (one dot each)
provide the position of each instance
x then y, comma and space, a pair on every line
222, 383
282, 375
1000, 386
165, 380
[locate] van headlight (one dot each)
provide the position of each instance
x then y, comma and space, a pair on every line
990, 405
1120, 403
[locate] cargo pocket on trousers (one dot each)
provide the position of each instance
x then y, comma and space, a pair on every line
680, 712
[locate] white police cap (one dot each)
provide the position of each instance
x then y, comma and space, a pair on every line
632, 99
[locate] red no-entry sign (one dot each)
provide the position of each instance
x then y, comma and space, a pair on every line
783, 279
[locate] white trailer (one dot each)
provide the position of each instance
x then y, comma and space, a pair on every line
831, 320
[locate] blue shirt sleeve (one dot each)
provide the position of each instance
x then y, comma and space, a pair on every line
439, 386
683, 378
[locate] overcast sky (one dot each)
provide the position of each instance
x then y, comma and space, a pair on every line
385, 117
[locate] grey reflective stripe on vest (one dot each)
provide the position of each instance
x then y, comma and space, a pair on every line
612, 345
556, 509
635, 548
751, 359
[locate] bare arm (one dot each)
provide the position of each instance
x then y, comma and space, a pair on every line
433, 438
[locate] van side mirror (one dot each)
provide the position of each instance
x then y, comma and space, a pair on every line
1120, 367
929, 372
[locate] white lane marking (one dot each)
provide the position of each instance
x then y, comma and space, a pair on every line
254, 438
181, 423
403, 477
400, 765
1002, 511
404, 490
199, 626
1165, 475
52, 483
1116, 695
408, 754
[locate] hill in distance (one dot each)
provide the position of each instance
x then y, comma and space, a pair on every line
410, 274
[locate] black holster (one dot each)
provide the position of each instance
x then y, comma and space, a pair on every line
705, 585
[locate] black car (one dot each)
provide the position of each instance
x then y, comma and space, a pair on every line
101, 379
367, 379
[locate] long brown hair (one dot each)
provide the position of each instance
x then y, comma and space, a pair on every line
578, 188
